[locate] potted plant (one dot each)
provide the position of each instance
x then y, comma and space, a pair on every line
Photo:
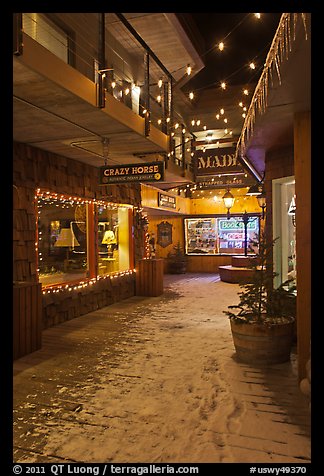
177, 260
263, 324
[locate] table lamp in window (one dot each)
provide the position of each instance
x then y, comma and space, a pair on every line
67, 239
109, 239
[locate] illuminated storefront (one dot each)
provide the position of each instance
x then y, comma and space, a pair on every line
219, 235
79, 239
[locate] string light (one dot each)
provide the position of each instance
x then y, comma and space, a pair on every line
160, 82
55, 288
221, 46
252, 65
189, 70
246, 92
223, 85
257, 15
191, 95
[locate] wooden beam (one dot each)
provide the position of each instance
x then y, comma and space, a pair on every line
302, 163
232, 140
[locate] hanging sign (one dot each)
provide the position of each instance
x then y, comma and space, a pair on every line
217, 161
164, 231
214, 182
143, 172
167, 201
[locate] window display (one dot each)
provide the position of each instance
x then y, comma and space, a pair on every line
219, 235
113, 238
67, 230
62, 240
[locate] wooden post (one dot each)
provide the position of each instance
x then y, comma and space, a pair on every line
147, 93
302, 160
27, 318
149, 277
92, 255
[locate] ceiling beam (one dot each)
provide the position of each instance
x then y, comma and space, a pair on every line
233, 139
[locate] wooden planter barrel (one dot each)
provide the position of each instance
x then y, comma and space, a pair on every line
260, 344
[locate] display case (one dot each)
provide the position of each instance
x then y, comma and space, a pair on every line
219, 235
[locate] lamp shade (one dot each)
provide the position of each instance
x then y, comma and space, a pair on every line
66, 238
109, 238
261, 200
255, 189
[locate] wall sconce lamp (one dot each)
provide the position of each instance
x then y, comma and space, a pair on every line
257, 190
104, 71
261, 198
228, 199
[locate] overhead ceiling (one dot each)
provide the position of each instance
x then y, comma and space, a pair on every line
49, 117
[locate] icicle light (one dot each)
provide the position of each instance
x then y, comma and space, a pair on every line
279, 50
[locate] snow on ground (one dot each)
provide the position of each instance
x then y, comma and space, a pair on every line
156, 380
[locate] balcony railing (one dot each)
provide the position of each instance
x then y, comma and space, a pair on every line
106, 49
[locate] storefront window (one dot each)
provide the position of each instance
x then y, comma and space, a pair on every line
62, 240
113, 239
219, 235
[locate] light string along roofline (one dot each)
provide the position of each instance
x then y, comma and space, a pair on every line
256, 71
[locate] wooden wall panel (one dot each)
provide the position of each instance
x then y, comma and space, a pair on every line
302, 153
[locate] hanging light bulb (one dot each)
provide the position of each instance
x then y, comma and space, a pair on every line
220, 46
191, 95
252, 65
223, 85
